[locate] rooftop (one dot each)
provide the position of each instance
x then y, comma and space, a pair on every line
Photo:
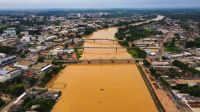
6, 70
39, 66
25, 63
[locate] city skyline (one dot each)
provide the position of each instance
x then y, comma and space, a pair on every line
21, 4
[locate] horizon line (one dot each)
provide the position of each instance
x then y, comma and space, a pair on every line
114, 8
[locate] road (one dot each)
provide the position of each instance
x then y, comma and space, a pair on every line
164, 40
6, 108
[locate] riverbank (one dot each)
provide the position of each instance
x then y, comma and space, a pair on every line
151, 90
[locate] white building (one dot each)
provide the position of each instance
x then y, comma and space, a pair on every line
26, 39
50, 38
2, 55
8, 73
60, 51
41, 68
9, 33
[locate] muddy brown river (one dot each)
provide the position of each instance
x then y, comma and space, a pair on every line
102, 87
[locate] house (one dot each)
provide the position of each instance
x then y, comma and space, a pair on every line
7, 60
8, 73
9, 42
24, 64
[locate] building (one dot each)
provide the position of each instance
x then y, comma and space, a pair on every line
8, 73
50, 38
9, 42
2, 55
60, 51
41, 68
25, 65
7, 60
33, 32
9, 33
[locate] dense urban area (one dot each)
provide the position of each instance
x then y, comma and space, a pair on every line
36, 45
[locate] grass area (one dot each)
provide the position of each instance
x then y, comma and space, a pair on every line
133, 53
2, 25
137, 53
173, 50
79, 52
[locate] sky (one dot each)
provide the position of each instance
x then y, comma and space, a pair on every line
99, 4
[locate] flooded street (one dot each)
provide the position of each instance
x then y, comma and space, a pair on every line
102, 87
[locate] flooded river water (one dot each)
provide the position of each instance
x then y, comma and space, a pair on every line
102, 87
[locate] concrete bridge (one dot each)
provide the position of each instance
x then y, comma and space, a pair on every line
97, 39
98, 61
115, 48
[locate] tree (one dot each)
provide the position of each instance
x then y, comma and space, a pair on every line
184, 88
40, 59
89, 31
44, 105
32, 80
164, 82
173, 73
22, 55
16, 90
1, 102
146, 63
152, 70
193, 44
124, 43
185, 68
131, 33
8, 50
154, 73
141, 53
47, 76
180, 65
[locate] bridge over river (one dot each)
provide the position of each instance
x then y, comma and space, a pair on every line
97, 61
101, 39
102, 87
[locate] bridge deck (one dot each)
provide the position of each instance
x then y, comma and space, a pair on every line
104, 47
103, 39
98, 61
